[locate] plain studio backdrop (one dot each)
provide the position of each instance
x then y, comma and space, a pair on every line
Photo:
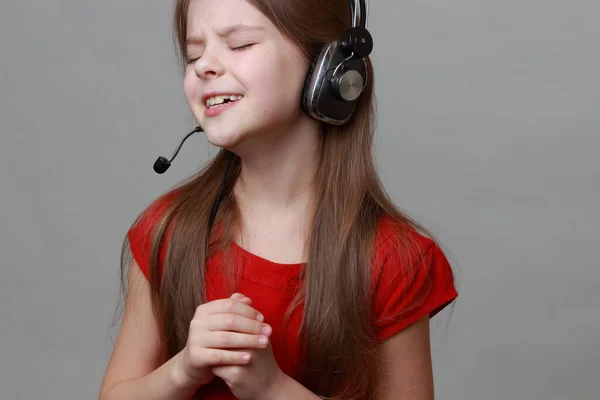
488, 134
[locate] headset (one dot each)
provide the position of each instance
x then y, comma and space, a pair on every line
338, 76
335, 81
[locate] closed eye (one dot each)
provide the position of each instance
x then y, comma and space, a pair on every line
192, 59
241, 48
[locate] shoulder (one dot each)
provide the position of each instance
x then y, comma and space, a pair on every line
141, 233
411, 277
400, 243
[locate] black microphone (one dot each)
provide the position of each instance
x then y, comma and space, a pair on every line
162, 163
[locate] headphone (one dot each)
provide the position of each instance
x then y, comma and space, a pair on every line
338, 76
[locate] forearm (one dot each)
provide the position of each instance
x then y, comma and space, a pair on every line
166, 382
290, 389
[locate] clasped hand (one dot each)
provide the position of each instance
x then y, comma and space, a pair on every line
228, 339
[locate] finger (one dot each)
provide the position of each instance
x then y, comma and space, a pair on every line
240, 297
246, 300
215, 357
227, 372
235, 323
233, 340
232, 306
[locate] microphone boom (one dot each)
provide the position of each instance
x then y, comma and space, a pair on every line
162, 164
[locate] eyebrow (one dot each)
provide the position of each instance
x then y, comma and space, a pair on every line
226, 32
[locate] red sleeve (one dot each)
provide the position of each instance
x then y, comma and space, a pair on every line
140, 236
410, 284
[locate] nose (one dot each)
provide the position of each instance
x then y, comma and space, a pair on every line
208, 66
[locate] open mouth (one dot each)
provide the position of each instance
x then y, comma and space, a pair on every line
216, 101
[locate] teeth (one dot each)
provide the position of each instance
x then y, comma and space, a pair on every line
215, 100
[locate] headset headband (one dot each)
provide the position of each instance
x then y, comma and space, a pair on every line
359, 12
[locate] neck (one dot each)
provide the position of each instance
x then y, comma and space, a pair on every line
278, 174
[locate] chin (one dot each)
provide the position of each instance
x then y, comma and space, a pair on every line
230, 134
223, 139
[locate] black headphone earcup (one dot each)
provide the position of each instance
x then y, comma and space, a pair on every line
306, 90
315, 79
321, 97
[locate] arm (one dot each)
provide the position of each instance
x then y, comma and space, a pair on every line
289, 389
134, 370
407, 355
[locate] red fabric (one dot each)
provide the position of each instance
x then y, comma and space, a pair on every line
408, 284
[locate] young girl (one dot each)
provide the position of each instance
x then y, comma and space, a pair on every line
308, 283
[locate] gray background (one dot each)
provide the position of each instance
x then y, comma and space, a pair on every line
488, 135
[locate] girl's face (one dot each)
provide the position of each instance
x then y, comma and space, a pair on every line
244, 78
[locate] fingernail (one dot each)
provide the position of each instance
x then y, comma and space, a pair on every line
246, 357
263, 340
267, 330
260, 317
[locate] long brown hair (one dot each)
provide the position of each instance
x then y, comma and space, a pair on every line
341, 359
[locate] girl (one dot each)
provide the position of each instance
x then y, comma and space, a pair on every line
308, 283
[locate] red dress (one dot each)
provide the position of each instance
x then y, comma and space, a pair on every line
403, 294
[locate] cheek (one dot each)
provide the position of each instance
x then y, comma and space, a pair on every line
189, 86
279, 81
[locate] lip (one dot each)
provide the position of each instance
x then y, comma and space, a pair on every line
216, 110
